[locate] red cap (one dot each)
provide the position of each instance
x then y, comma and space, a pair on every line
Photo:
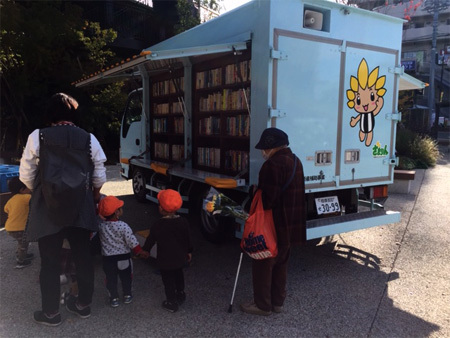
170, 200
108, 205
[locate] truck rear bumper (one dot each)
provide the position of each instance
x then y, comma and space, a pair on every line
323, 227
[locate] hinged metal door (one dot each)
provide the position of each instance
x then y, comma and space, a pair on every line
306, 88
369, 111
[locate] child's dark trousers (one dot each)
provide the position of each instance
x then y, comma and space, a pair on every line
173, 281
118, 266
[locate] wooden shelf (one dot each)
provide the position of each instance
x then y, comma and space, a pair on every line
167, 121
221, 122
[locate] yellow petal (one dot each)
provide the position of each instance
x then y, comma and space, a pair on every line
380, 82
350, 94
354, 83
381, 92
363, 74
373, 77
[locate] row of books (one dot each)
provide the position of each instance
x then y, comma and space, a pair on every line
161, 125
167, 108
209, 126
209, 157
236, 160
167, 87
177, 152
214, 77
227, 99
178, 125
238, 125
209, 78
231, 72
162, 151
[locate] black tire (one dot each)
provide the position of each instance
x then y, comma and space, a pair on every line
139, 189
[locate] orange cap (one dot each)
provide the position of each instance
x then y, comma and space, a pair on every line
170, 200
108, 205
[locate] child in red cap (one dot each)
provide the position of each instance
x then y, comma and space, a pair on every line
172, 236
117, 239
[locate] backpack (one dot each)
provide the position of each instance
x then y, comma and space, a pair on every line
65, 169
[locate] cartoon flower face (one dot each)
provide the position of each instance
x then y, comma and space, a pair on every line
365, 100
365, 96
365, 89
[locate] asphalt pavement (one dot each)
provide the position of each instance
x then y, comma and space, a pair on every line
387, 281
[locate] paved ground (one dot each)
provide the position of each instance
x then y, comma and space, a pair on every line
389, 281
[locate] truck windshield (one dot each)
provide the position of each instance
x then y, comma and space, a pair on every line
133, 112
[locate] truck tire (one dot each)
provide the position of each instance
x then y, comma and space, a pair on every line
139, 189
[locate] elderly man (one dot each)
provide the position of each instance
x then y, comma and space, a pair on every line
281, 180
63, 165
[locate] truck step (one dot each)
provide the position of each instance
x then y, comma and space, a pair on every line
323, 227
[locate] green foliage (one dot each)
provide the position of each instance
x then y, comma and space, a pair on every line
425, 151
106, 112
95, 40
416, 151
406, 163
9, 59
187, 17
45, 46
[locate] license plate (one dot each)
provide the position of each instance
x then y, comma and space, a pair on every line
327, 205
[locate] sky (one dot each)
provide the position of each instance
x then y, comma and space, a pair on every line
231, 4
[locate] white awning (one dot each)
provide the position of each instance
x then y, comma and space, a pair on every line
155, 61
408, 82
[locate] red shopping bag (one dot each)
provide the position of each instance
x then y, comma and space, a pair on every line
259, 239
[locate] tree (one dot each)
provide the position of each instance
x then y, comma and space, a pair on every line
187, 15
95, 41
43, 49
212, 4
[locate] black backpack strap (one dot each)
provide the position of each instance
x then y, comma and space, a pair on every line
292, 176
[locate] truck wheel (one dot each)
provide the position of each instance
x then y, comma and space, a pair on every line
139, 189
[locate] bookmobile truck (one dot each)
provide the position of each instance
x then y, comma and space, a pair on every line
326, 74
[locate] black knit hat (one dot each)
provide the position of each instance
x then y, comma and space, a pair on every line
272, 138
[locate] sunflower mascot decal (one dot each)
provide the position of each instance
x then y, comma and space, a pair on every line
365, 96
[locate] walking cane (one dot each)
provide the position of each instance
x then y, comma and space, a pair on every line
230, 308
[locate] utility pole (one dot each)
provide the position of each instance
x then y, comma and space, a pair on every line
433, 7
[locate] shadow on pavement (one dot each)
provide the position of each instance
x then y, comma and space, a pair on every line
339, 290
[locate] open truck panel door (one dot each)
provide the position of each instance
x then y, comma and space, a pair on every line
132, 137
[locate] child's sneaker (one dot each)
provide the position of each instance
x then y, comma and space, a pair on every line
24, 264
127, 299
171, 307
71, 306
63, 298
114, 302
181, 297
28, 257
41, 318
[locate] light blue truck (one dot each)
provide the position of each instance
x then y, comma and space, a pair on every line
327, 74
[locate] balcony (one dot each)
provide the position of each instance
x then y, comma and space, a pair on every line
425, 33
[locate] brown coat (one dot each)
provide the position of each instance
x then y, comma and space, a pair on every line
288, 207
